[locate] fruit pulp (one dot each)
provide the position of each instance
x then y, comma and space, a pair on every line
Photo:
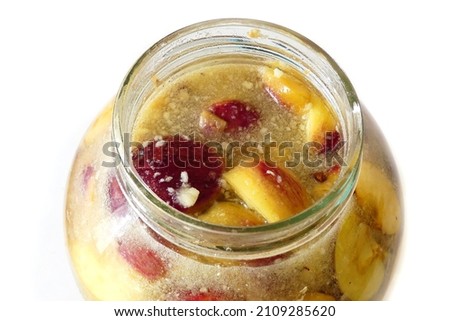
231, 103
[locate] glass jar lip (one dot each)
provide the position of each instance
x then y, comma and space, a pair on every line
345, 183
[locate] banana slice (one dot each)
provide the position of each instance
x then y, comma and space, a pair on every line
107, 276
359, 260
376, 195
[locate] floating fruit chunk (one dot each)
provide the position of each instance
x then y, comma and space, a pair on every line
319, 122
237, 115
142, 259
359, 260
115, 195
87, 183
182, 172
210, 123
325, 181
376, 195
332, 140
87, 174
106, 274
318, 296
286, 89
273, 192
231, 214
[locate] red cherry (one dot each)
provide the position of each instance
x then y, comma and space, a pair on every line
143, 260
182, 172
237, 114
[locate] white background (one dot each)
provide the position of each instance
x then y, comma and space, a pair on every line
61, 61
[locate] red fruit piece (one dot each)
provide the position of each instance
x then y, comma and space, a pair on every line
237, 114
332, 140
116, 197
182, 172
320, 176
208, 295
143, 260
87, 173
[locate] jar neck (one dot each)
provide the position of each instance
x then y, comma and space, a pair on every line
211, 40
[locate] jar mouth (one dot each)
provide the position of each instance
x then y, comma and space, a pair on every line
282, 43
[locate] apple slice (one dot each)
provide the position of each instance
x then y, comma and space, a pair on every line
237, 115
210, 123
142, 259
285, 89
359, 259
105, 275
274, 192
231, 214
377, 195
321, 125
182, 172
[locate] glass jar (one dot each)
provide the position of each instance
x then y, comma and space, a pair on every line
126, 243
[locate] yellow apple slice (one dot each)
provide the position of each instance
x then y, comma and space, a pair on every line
210, 123
107, 276
359, 260
231, 214
377, 195
286, 89
319, 120
274, 192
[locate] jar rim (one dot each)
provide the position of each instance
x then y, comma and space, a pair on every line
307, 218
